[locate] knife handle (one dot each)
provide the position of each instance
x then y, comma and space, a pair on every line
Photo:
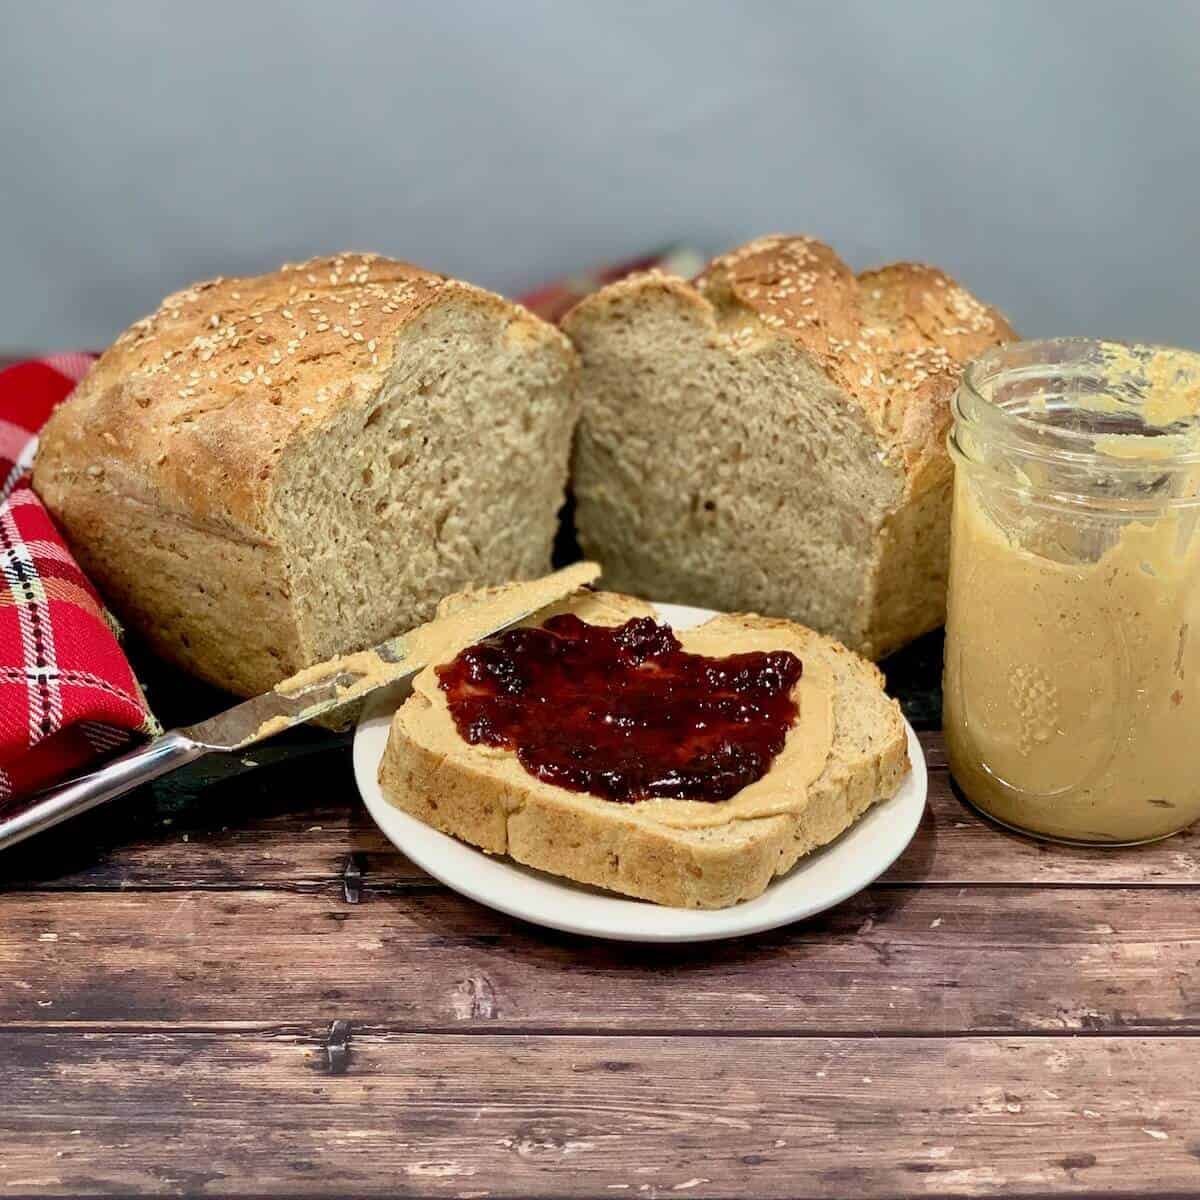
115, 778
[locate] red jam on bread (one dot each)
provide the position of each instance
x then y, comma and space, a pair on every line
624, 712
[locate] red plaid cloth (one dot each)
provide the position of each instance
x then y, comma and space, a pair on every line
67, 693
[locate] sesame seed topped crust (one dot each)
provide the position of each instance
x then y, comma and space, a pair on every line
797, 416
268, 472
894, 338
195, 403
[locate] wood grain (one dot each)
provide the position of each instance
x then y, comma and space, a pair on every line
925, 960
293, 825
259, 1114
989, 1019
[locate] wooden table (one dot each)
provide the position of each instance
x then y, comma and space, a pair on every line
238, 986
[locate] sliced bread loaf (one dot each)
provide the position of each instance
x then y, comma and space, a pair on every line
271, 471
688, 854
770, 436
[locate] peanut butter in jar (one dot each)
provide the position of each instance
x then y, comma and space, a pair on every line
1072, 680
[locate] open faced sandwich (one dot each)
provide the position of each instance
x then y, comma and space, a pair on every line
688, 768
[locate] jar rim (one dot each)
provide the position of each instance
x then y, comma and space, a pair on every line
1080, 359
1072, 501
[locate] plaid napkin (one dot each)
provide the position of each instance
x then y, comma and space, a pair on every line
67, 693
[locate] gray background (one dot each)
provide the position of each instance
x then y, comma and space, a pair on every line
1045, 153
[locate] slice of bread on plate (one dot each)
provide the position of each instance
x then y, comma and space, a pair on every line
846, 751
770, 436
271, 471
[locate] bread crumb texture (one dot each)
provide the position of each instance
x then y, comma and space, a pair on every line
771, 436
268, 471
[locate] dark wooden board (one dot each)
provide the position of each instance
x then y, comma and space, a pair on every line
897, 960
253, 1113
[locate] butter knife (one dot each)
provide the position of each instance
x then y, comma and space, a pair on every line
309, 694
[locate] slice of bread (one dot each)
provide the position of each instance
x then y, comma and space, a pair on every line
770, 437
651, 849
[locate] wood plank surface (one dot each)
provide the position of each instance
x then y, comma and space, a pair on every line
925, 960
994, 1017
294, 824
260, 1114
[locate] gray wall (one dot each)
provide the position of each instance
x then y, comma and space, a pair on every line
1045, 152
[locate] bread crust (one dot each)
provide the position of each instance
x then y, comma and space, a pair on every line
192, 406
456, 788
891, 342
894, 339
164, 468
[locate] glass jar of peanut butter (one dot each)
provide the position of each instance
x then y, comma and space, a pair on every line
1072, 678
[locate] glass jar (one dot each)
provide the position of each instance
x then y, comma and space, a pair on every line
1072, 678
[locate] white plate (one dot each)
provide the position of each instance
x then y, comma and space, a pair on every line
822, 879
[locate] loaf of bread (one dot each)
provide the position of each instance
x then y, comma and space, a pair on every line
274, 470
770, 437
688, 854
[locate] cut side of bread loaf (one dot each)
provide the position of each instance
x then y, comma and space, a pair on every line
484, 796
770, 437
271, 471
